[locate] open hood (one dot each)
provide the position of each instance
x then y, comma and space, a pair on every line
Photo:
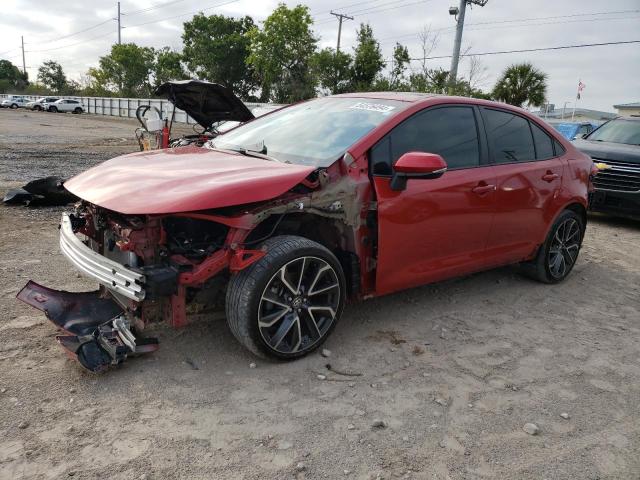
183, 180
207, 103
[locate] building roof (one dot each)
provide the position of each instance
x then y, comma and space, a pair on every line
557, 113
628, 105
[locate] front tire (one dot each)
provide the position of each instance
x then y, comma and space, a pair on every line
286, 304
14, 106
53, 109
559, 253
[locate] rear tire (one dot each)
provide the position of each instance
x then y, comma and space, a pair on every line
77, 110
37, 108
559, 253
286, 304
14, 106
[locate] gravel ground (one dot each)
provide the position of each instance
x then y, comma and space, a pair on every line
448, 374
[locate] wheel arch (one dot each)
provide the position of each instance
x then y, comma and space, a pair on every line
332, 233
574, 205
580, 209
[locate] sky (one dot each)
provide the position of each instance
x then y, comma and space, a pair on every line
76, 33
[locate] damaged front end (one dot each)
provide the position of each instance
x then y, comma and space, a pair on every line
148, 268
152, 267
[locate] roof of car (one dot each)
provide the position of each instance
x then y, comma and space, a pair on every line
400, 96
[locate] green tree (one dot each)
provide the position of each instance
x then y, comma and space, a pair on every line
167, 66
11, 78
332, 70
216, 49
401, 61
281, 55
51, 75
125, 71
367, 60
521, 84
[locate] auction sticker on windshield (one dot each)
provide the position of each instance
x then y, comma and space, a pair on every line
373, 107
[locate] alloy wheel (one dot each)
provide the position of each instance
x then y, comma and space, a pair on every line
564, 248
299, 305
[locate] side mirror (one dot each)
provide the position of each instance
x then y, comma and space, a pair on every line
416, 165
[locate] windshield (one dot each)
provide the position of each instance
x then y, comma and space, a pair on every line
315, 133
620, 130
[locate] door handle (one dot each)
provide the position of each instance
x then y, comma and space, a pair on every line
482, 189
550, 177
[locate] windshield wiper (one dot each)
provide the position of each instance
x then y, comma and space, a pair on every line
249, 152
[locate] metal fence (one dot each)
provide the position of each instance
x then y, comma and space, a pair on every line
126, 107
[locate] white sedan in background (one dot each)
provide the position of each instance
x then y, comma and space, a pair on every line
14, 101
41, 103
65, 105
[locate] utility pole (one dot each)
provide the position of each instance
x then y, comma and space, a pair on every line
119, 27
459, 13
24, 64
340, 17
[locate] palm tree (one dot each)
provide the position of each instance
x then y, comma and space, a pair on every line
521, 83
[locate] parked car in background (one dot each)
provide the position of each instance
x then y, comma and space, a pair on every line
14, 101
41, 103
65, 105
286, 217
573, 130
615, 145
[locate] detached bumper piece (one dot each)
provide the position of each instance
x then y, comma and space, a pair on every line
98, 334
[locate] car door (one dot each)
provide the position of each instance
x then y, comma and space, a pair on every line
529, 176
434, 228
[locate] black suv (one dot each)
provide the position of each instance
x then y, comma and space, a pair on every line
616, 144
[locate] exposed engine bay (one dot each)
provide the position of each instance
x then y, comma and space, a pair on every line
153, 268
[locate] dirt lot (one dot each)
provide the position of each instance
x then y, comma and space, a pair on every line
454, 370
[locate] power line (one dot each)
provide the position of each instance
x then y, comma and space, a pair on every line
394, 37
70, 45
74, 33
154, 7
342, 7
377, 9
526, 50
9, 51
183, 14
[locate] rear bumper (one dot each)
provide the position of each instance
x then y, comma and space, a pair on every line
112, 275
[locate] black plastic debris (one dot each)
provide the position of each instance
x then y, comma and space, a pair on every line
47, 191
17, 196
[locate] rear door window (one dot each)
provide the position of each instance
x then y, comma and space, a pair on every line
510, 136
450, 132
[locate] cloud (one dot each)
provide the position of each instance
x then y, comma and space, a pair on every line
610, 72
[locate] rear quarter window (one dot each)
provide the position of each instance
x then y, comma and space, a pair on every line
543, 143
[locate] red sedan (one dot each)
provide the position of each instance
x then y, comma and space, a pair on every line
285, 218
